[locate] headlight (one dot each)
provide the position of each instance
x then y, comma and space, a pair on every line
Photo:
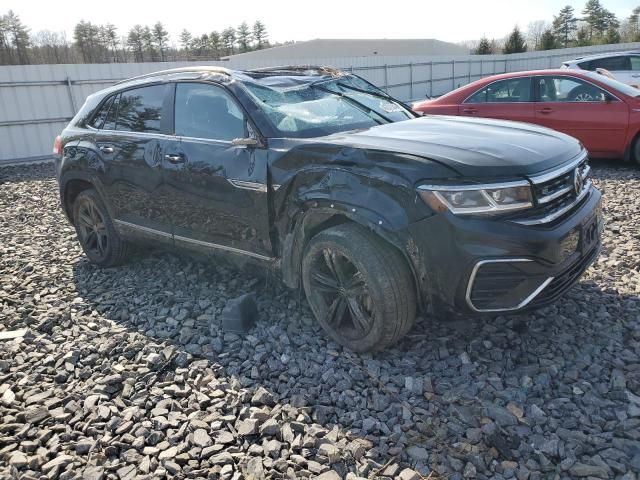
477, 199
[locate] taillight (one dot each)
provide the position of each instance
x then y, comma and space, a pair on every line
57, 146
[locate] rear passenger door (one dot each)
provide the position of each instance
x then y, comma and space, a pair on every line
129, 143
508, 99
216, 189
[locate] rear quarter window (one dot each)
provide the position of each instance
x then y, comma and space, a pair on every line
100, 116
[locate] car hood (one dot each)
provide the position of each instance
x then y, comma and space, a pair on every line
471, 147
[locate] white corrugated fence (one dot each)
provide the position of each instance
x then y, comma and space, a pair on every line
37, 101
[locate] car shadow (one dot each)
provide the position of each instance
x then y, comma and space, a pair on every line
435, 385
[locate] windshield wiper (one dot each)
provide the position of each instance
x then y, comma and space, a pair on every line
359, 105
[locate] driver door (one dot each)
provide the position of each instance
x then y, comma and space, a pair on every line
584, 111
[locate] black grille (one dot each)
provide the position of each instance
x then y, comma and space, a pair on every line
501, 285
563, 282
557, 197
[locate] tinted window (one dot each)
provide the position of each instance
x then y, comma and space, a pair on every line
101, 115
504, 91
140, 109
612, 63
635, 62
568, 89
207, 111
110, 121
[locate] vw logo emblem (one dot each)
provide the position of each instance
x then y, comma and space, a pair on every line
578, 182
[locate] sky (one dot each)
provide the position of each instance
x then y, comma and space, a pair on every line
449, 20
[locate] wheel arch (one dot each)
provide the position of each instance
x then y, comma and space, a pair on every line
629, 150
319, 217
71, 184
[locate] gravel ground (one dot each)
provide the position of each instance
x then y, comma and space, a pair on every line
125, 372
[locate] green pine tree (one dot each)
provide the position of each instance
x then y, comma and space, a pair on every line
484, 47
548, 40
565, 25
515, 42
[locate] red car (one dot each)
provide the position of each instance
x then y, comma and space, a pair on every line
603, 113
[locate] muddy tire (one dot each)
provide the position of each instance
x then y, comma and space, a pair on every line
359, 288
98, 237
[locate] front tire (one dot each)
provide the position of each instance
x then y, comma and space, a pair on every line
359, 288
98, 237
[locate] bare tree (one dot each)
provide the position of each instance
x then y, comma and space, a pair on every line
535, 31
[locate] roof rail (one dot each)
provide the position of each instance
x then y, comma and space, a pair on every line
201, 68
326, 70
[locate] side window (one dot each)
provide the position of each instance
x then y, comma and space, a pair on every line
140, 109
207, 111
110, 121
101, 115
586, 66
568, 89
635, 62
613, 64
504, 91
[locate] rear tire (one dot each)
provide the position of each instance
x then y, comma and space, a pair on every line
98, 237
359, 288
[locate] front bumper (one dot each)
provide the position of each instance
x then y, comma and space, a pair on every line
476, 266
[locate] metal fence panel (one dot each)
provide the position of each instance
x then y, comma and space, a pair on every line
37, 101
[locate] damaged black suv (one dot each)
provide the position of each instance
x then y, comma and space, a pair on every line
376, 213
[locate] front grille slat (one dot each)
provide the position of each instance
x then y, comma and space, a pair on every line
556, 196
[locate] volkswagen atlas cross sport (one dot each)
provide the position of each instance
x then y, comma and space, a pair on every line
376, 213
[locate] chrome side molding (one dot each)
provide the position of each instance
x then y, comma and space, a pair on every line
193, 241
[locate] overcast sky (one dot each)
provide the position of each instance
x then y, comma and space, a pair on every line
449, 20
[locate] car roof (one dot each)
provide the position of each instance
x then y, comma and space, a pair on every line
529, 73
286, 76
205, 71
603, 55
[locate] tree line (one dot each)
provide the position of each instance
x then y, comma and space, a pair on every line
594, 25
95, 43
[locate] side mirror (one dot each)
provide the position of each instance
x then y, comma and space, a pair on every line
247, 142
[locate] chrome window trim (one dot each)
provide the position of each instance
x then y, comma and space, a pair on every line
465, 101
202, 243
558, 213
535, 100
545, 177
568, 75
522, 304
132, 133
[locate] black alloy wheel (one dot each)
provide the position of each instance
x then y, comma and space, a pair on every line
344, 291
359, 287
92, 229
98, 237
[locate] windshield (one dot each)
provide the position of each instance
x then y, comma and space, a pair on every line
327, 106
618, 85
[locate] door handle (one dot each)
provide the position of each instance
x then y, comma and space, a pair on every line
175, 158
635, 75
545, 110
106, 149
469, 110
